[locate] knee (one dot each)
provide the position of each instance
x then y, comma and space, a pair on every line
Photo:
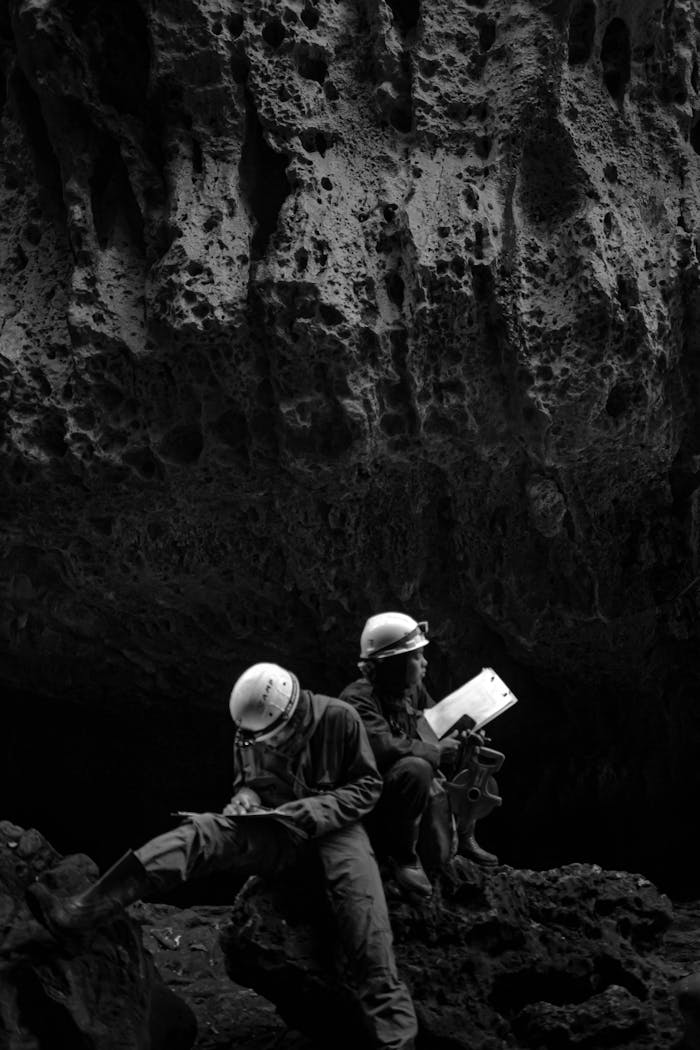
411, 770
205, 828
409, 776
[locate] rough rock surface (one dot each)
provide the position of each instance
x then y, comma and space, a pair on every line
96, 995
312, 309
184, 943
498, 960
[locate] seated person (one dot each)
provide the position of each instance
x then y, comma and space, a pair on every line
390, 697
307, 758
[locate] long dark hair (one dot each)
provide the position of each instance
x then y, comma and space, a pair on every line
388, 676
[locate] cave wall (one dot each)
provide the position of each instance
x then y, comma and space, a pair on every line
310, 309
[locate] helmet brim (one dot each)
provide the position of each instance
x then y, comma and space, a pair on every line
417, 643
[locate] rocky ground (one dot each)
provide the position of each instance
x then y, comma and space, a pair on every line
504, 959
185, 946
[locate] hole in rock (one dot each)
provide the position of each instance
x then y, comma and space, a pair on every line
617, 402
487, 32
695, 134
33, 233
18, 259
302, 258
144, 462
183, 444
551, 185
114, 207
231, 428
395, 288
263, 180
50, 435
41, 381
482, 146
676, 90
331, 92
615, 56
156, 530
235, 24
330, 315
401, 117
310, 16
393, 424
274, 33
513, 991
315, 142
197, 157
406, 13
581, 32
311, 67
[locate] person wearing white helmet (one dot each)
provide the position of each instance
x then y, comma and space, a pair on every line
390, 697
304, 779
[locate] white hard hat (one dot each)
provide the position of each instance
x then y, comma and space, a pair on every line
391, 633
263, 700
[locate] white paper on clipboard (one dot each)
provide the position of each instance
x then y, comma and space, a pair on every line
482, 698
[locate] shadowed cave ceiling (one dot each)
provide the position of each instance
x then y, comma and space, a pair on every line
311, 309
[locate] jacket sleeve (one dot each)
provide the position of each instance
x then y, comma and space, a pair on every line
388, 747
359, 784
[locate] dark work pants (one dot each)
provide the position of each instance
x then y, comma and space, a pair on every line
210, 842
405, 798
406, 791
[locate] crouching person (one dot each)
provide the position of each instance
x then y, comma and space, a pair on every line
307, 758
390, 697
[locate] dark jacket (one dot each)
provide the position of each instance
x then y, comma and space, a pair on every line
324, 777
391, 723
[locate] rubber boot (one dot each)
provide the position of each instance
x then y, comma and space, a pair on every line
468, 847
121, 885
407, 868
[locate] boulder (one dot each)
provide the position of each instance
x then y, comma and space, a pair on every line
497, 960
97, 992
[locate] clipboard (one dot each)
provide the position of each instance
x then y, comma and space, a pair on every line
481, 699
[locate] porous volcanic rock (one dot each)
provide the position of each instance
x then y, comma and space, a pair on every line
498, 960
96, 995
312, 309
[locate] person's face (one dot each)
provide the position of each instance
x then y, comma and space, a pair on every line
416, 666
